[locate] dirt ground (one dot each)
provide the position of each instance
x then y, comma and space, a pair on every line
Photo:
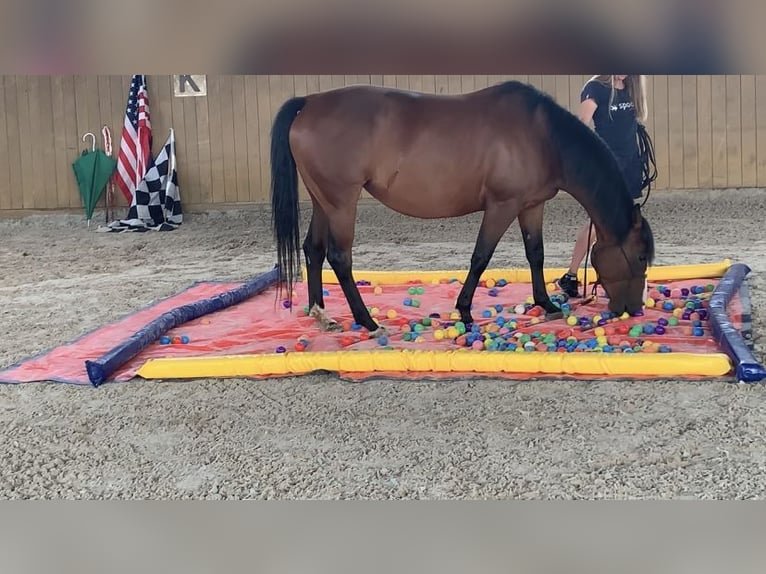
318, 437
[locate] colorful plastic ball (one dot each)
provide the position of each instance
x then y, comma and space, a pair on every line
477, 345
664, 349
650, 302
659, 330
176, 340
391, 314
698, 332
383, 341
325, 292
164, 340
377, 290
185, 339
668, 305
281, 349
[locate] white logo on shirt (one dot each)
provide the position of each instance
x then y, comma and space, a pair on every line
621, 106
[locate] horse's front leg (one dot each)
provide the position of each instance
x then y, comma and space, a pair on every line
531, 223
497, 219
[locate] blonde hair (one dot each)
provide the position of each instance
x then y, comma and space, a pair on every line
636, 86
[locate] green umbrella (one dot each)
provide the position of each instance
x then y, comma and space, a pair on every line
92, 170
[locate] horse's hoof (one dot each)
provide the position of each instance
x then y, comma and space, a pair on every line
333, 327
379, 332
553, 315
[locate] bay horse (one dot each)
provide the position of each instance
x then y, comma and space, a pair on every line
504, 150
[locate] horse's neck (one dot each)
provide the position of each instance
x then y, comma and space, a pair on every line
598, 219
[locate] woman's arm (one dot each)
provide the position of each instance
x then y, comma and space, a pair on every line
587, 109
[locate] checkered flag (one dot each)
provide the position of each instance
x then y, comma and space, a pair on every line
156, 204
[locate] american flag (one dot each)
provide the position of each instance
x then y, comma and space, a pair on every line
136, 143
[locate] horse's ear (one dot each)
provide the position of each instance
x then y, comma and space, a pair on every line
637, 217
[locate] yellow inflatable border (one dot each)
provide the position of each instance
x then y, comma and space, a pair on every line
462, 360
655, 274
581, 364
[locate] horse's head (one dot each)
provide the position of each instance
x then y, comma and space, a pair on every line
621, 267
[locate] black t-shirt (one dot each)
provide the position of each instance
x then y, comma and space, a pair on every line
619, 129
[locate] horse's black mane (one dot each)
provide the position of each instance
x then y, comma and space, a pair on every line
586, 159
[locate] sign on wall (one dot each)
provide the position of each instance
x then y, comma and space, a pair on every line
189, 85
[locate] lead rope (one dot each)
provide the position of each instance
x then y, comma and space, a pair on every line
648, 163
585, 271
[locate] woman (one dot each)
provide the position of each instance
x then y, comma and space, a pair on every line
617, 107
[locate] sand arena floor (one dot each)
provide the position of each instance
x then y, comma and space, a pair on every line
318, 437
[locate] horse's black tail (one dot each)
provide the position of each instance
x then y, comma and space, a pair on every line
285, 215
648, 164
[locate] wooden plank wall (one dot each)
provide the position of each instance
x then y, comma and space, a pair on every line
709, 131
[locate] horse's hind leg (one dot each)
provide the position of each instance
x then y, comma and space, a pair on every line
341, 238
315, 251
531, 224
497, 219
